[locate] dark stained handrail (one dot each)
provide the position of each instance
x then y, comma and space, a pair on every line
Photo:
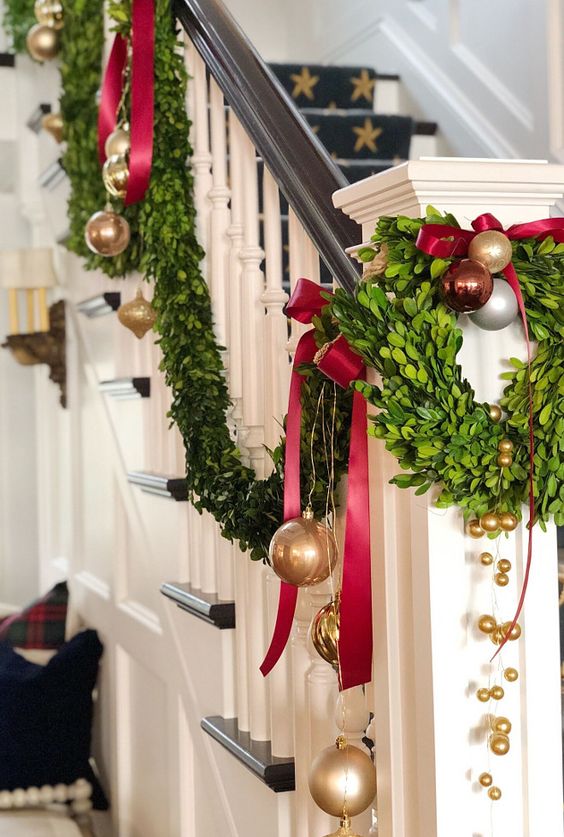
301, 166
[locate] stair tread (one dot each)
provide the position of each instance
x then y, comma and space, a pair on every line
363, 135
162, 485
328, 85
206, 606
124, 389
278, 773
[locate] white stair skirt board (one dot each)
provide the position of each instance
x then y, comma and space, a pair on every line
37, 824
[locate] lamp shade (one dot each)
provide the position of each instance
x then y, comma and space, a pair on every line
31, 268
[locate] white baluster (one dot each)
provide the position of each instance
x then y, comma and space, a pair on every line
201, 158
241, 568
303, 262
208, 553
252, 316
235, 233
195, 547
220, 218
352, 717
300, 665
280, 681
275, 323
259, 705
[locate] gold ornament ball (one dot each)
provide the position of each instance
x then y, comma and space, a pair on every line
511, 675
515, 632
342, 776
495, 412
107, 233
483, 695
497, 636
303, 551
501, 579
496, 692
505, 460
499, 744
52, 123
487, 624
474, 529
487, 559
325, 632
501, 725
504, 565
117, 143
508, 522
494, 794
485, 779
489, 522
115, 175
42, 42
505, 446
49, 13
492, 249
138, 315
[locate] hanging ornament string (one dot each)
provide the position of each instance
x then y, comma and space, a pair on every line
343, 366
444, 241
142, 97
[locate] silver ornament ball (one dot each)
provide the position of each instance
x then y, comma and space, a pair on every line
500, 310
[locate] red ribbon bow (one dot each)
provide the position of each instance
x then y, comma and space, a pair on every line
342, 365
142, 97
443, 241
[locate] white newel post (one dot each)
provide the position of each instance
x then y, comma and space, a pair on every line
429, 588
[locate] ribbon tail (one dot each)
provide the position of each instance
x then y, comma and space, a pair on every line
142, 99
111, 93
355, 626
283, 628
512, 278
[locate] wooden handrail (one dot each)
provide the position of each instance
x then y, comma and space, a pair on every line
301, 166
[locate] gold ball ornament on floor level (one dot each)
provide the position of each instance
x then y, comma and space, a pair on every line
52, 123
303, 551
511, 675
489, 522
325, 632
342, 780
501, 725
118, 143
107, 233
487, 624
42, 42
115, 174
492, 249
486, 559
508, 522
485, 779
138, 315
494, 794
474, 529
49, 13
499, 744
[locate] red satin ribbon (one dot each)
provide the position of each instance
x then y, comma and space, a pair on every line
343, 366
142, 97
444, 241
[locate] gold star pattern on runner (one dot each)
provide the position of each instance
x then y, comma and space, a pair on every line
304, 83
363, 86
366, 136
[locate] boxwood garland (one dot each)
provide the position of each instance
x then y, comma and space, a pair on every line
165, 249
428, 415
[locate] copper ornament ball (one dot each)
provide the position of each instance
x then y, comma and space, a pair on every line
303, 551
138, 315
325, 632
42, 42
115, 174
342, 778
107, 233
492, 249
117, 143
52, 123
49, 13
466, 286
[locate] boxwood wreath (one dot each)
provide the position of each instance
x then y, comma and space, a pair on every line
427, 415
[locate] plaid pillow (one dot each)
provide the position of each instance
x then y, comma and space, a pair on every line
41, 624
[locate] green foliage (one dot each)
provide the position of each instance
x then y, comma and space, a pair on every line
427, 415
18, 19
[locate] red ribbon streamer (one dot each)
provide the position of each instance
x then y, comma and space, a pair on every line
342, 365
142, 97
443, 241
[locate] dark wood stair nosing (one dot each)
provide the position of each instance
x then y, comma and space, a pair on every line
124, 389
173, 488
98, 306
7, 59
277, 773
205, 606
34, 123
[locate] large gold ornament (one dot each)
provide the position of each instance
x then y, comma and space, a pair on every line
115, 175
303, 551
107, 233
492, 249
117, 143
138, 315
325, 632
499, 744
345, 829
53, 124
42, 42
49, 13
342, 780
